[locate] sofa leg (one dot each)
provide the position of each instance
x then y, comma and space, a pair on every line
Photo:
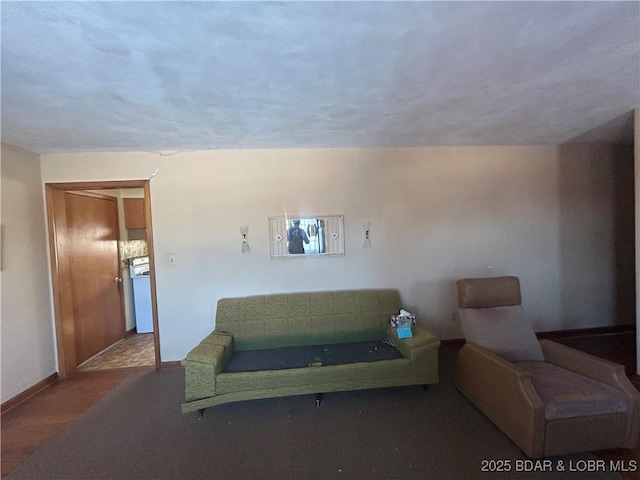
200, 413
317, 399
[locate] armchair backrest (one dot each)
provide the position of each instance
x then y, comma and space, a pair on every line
491, 316
488, 292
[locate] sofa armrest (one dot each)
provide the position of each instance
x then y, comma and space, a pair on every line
422, 340
422, 352
213, 351
203, 363
504, 393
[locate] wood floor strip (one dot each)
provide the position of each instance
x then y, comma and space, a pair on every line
28, 393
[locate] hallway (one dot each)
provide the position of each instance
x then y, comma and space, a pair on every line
133, 351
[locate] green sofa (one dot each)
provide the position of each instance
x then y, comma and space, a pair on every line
266, 324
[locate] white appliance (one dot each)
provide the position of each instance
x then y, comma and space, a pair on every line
139, 273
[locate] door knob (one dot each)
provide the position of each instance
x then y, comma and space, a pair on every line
118, 280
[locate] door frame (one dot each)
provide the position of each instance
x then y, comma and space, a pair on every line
63, 312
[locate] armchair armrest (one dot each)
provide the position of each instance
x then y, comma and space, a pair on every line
504, 393
602, 370
587, 365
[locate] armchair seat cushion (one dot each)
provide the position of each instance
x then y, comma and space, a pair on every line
567, 394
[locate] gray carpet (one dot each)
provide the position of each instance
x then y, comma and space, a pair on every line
137, 432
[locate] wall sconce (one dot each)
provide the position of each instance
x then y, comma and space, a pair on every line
367, 237
244, 230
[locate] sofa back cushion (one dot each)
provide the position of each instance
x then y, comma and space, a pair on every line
307, 318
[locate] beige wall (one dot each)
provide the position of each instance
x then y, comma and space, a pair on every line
549, 214
28, 344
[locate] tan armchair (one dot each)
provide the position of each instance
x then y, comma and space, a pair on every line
548, 398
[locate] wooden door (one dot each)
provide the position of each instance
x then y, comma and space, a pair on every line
95, 276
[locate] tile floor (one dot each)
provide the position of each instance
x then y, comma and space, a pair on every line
133, 351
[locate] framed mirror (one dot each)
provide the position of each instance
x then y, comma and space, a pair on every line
301, 236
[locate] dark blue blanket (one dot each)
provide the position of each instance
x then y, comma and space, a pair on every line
314, 355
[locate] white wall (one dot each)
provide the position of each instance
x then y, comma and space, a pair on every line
544, 213
26, 325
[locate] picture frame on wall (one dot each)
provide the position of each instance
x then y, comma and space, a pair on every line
306, 236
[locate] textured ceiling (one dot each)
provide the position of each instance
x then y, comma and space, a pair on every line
109, 76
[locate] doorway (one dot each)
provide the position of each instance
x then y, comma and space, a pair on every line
81, 283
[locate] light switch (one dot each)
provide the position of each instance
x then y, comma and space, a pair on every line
172, 259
